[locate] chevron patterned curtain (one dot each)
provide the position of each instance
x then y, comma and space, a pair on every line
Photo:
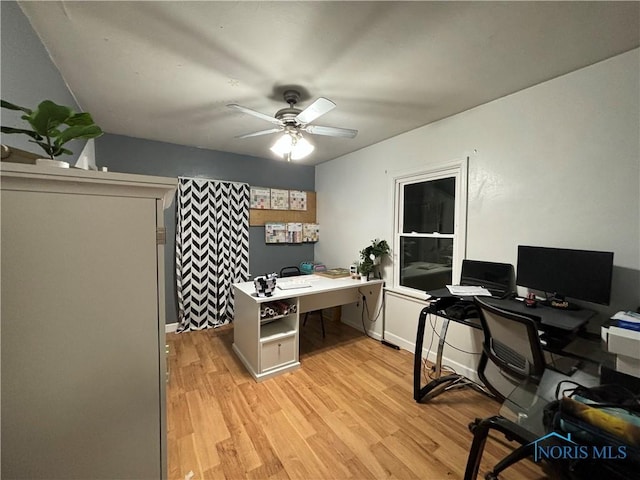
212, 250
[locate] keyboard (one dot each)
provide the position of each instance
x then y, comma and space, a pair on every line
290, 284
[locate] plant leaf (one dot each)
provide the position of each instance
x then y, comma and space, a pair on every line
79, 131
11, 106
31, 133
83, 118
48, 116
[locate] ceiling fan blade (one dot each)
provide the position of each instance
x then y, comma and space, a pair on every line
331, 131
255, 113
261, 132
316, 109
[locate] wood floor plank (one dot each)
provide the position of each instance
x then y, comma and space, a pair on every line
347, 413
293, 451
394, 467
295, 415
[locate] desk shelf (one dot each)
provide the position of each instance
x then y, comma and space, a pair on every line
271, 311
282, 327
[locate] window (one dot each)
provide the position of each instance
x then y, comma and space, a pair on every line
429, 230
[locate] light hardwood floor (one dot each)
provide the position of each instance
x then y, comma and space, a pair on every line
347, 413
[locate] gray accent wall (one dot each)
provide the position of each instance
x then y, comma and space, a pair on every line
28, 77
133, 155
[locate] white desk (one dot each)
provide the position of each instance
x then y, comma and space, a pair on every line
269, 346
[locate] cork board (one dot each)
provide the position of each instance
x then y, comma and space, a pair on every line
258, 218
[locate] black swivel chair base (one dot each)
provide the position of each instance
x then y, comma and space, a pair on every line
319, 312
448, 382
513, 432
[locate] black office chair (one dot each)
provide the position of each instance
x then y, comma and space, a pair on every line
511, 354
289, 272
511, 350
293, 272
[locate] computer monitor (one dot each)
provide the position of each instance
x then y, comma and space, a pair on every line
578, 274
495, 277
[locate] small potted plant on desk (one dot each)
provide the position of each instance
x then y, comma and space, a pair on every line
47, 122
370, 258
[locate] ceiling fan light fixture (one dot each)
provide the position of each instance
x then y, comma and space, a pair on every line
283, 145
301, 149
292, 145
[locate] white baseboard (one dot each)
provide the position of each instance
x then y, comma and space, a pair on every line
469, 372
171, 327
358, 326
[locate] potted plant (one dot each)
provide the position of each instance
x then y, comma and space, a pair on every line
48, 122
371, 256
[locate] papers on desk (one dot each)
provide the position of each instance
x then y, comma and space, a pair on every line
629, 320
468, 291
628, 316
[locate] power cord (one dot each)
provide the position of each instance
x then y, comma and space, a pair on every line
365, 307
433, 328
446, 369
429, 371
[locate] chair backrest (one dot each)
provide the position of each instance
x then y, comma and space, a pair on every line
511, 342
289, 272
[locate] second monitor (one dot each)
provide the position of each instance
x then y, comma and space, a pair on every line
562, 272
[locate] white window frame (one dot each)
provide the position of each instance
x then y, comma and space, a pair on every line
457, 169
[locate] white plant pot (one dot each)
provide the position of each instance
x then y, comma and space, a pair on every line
363, 278
47, 162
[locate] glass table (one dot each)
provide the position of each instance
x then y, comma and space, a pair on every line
526, 403
521, 416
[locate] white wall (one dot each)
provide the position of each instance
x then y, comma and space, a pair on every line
554, 165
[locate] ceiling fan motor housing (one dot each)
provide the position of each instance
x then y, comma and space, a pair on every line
288, 115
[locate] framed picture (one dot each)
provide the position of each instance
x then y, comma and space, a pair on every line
260, 198
279, 199
275, 233
310, 232
297, 200
294, 232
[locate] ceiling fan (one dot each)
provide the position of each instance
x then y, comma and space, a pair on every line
293, 121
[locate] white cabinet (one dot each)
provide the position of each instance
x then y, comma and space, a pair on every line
278, 343
82, 325
266, 344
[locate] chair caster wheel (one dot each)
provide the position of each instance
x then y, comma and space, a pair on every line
491, 476
472, 426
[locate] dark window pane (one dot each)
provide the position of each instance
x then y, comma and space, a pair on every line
425, 263
429, 206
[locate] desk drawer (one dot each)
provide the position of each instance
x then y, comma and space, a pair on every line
278, 352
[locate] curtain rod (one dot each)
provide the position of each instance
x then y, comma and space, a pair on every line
213, 180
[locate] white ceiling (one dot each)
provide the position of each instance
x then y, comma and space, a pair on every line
165, 70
